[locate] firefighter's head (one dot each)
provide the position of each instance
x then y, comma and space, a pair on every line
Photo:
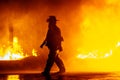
52, 19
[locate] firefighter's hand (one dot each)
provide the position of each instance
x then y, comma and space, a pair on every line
41, 46
60, 49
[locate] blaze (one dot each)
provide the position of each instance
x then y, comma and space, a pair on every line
98, 47
34, 52
100, 29
14, 51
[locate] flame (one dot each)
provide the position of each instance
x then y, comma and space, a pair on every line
100, 29
14, 51
97, 45
94, 55
34, 52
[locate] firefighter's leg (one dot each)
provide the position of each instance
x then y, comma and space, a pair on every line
60, 64
50, 61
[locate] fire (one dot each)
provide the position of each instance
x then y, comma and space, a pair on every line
100, 29
98, 41
34, 52
14, 51
112, 1
94, 55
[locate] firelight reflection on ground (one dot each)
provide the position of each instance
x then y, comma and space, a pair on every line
13, 77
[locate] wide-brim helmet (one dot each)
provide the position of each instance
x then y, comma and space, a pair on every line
52, 18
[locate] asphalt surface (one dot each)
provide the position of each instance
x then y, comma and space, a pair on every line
54, 76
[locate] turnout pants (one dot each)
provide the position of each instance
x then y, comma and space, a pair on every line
53, 57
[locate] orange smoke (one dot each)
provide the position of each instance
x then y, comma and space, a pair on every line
14, 52
100, 32
90, 29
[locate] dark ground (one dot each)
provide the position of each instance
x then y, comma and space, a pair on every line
65, 76
26, 67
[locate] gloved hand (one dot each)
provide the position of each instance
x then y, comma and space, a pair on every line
60, 49
41, 46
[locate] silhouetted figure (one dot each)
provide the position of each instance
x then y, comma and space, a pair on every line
53, 42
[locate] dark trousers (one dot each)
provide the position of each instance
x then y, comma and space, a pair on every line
53, 57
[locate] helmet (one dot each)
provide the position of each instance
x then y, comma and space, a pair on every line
51, 19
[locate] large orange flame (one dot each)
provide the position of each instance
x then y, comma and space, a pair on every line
98, 47
14, 51
100, 29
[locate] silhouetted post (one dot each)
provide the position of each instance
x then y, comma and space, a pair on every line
11, 30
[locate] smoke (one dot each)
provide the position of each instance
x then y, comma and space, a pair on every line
28, 18
82, 22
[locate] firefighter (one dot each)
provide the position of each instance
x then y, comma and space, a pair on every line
53, 42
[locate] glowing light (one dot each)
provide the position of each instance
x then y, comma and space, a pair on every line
14, 51
100, 29
99, 43
81, 56
13, 77
118, 44
34, 52
15, 40
112, 1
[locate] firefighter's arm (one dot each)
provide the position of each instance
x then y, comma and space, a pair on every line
44, 42
60, 48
